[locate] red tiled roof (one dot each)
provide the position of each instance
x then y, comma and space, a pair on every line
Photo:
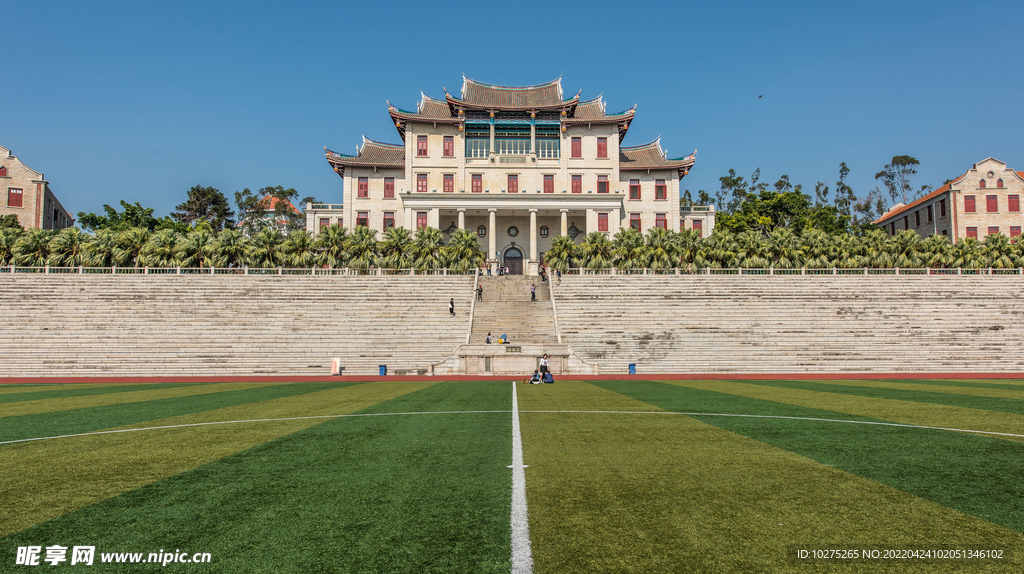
371, 154
593, 112
898, 210
429, 110
651, 156
270, 203
485, 96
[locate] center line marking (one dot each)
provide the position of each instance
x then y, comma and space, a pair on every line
522, 557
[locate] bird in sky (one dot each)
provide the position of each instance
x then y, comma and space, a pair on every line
760, 96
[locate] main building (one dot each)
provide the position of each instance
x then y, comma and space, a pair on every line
517, 165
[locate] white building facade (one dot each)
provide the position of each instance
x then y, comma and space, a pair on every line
517, 165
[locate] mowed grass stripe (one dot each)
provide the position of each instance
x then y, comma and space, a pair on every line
140, 393
865, 408
67, 391
951, 389
422, 493
966, 472
79, 420
1007, 384
650, 493
7, 388
58, 476
896, 393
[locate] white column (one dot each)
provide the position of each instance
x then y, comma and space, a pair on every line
408, 220
462, 219
591, 226
565, 221
434, 218
533, 242
492, 240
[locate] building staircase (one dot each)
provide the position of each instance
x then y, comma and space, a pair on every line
506, 308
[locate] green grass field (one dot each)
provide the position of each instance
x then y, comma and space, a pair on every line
623, 476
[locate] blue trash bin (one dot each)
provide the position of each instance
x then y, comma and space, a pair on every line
383, 370
632, 368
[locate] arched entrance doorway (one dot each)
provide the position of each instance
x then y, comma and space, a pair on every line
513, 258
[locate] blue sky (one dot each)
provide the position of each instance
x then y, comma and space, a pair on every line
141, 101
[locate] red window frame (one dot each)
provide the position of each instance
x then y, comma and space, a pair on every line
660, 190
449, 146
999, 183
993, 230
942, 208
660, 221
3, 172
634, 189
577, 147
363, 218
577, 184
1014, 231
549, 184
602, 222
325, 222
421, 220
969, 204
364, 187
15, 197
982, 184
698, 226
917, 218
421, 183
992, 203
449, 183
513, 183
634, 221
1013, 202
389, 187
478, 183
602, 148
389, 219
602, 184
421, 146
972, 232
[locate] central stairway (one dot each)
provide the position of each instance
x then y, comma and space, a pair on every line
506, 308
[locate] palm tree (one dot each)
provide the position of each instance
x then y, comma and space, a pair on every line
426, 249
784, 249
199, 248
231, 247
133, 240
687, 246
162, 249
998, 252
103, 249
815, 247
394, 250
662, 249
33, 247
562, 253
750, 250
67, 249
299, 249
967, 254
362, 247
8, 237
596, 251
463, 252
905, 249
936, 251
265, 248
628, 249
331, 244
719, 250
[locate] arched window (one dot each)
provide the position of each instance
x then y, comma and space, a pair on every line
999, 183
982, 184
3, 172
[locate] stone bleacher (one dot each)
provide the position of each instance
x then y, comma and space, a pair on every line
201, 325
794, 324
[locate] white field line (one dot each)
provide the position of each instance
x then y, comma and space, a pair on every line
247, 421
522, 558
477, 412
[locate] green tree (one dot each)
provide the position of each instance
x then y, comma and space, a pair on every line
163, 249
662, 249
628, 249
8, 237
686, 198
562, 253
103, 249
426, 249
332, 244
896, 177
67, 248
395, 248
596, 251
10, 221
205, 204
265, 249
231, 248
463, 252
33, 248
845, 197
299, 249
134, 215
133, 241
200, 248
704, 198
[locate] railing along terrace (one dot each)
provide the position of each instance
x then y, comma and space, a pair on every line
772, 271
314, 271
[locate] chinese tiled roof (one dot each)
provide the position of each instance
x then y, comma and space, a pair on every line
478, 95
270, 203
593, 111
899, 209
370, 154
428, 110
651, 156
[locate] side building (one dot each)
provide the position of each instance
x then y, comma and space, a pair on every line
29, 196
517, 165
983, 201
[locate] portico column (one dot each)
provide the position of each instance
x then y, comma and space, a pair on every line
533, 242
492, 240
591, 214
565, 221
462, 219
408, 219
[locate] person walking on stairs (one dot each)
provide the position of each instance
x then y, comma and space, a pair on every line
479, 292
488, 338
533, 292
451, 307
